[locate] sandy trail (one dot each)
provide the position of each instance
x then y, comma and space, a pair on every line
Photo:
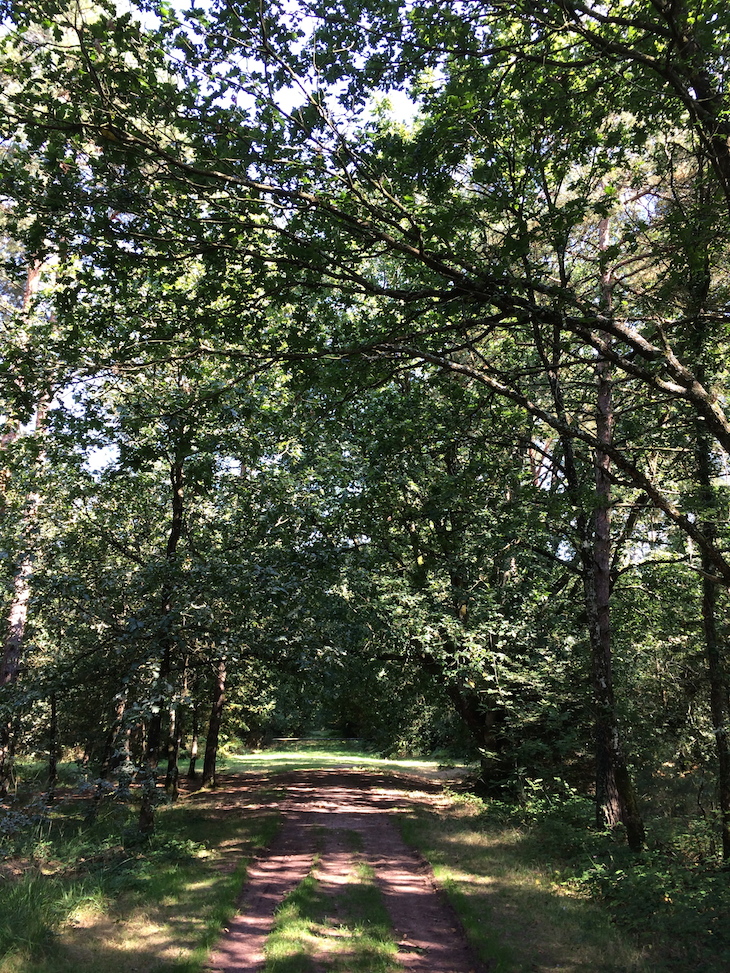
319, 809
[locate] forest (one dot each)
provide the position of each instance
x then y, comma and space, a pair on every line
364, 369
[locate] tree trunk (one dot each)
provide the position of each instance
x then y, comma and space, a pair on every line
714, 654
615, 796
18, 611
154, 729
116, 747
152, 758
10, 665
214, 726
483, 724
194, 744
173, 750
146, 820
17, 620
53, 750
481, 719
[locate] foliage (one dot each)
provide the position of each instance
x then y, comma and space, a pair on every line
663, 901
344, 404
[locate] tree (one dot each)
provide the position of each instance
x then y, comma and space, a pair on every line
17, 608
465, 243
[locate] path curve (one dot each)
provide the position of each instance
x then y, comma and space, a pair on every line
319, 806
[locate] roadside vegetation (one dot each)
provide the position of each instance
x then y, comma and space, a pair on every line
537, 887
81, 890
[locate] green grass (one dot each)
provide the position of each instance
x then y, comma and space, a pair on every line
319, 755
536, 887
515, 914
357, 940
95, 897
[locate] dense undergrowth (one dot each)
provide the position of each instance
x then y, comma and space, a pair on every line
537, 886
674, 897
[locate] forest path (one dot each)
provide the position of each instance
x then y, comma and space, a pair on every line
322, 809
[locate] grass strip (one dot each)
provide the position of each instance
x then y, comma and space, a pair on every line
351, 935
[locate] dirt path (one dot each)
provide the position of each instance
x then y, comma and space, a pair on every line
319, 808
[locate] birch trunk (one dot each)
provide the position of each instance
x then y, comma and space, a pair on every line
18, 611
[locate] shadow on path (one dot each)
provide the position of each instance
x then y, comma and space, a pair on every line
429, 937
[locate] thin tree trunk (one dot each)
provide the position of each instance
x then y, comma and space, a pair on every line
699, 282
116, 747
214, 726
615, 796
714, 650
154, 730
480, 718
17, 616
10, 665
194, 743
53, 750
18, 611
172, 777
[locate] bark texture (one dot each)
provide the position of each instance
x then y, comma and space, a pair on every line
616, 801
214, 726
714, 648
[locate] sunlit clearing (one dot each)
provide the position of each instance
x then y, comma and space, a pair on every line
339, 760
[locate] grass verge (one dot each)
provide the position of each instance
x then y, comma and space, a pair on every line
537, 888
75, 897
516, 916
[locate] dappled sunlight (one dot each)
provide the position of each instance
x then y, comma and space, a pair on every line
503, 897
480, 840
85, 916
149, 940
337, 825
203, 884
464, 877
339, 821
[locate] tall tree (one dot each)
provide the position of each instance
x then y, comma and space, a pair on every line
17, 610
459, 244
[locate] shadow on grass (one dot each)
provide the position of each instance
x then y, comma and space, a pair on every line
305, 937
152, 907
551, 895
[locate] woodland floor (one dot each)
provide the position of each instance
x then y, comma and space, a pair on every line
333, 821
